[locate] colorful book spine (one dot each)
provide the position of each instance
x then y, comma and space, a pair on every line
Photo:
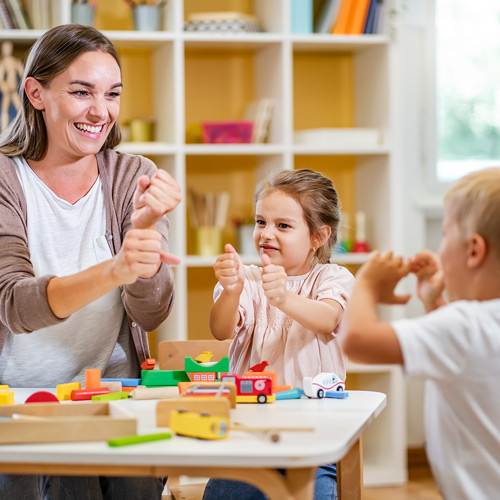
302, 16
343, 20
358, 19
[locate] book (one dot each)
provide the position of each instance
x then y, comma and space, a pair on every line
18, 14
5, 16
368, 28
343, 19
260, 113
302, 16
359, 14
378, 23
327, 16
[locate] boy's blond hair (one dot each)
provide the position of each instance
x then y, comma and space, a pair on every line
476, 202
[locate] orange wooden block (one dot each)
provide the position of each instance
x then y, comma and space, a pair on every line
148, 364
128, 389
93, 378
280, 388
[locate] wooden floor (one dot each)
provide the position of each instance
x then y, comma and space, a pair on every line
420, 486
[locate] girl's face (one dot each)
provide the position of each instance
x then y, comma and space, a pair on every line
282, 233
81, 105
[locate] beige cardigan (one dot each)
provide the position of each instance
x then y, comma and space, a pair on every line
23, 301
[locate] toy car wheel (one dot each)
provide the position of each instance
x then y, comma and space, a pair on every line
261, 398
204, 414
340, 388
320, 393
181, 410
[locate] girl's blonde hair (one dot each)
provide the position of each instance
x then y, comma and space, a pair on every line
476, 204
317, 197
52, 54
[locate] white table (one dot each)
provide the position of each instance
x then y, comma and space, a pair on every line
338, 427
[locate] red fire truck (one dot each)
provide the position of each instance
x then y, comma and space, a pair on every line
257, 389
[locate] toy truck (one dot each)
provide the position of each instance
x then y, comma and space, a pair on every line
257, 389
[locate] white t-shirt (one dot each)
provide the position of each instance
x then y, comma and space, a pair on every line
457, 349
64, 239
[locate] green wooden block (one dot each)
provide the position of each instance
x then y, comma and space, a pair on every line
112, 396
163, 378
190, 365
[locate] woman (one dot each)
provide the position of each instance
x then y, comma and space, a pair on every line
84, 267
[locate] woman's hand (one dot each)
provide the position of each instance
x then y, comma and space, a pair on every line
140, 256
153, 198
430, 283
229, 271
381, 274
273, 281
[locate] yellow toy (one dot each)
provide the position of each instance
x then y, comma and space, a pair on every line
198, 425
204, 357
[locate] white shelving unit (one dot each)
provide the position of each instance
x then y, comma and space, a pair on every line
362, 89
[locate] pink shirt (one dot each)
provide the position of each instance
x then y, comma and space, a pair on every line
265, 333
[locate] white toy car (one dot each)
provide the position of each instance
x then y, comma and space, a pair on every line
322, 384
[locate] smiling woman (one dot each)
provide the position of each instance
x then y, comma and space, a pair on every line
85, 267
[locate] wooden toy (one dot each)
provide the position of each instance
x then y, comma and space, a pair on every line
216, 407
148, 364
322, 384
145, 438
142, 392
256, 389
56, 422
272, 375
172, 353
93, 378
113, 386
63, 391
198, 425
294, 393
111, 396
42, 397
4, 387
260, 367
6, 397
202, 376
204, 357
162, 378
86, 394
209, 389
191, 366
127, 382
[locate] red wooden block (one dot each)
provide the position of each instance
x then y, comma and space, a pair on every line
148, 364
41, 397
86, 394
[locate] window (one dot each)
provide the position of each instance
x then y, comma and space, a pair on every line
467, 86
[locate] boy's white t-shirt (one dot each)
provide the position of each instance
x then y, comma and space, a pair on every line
64, 239
457, 349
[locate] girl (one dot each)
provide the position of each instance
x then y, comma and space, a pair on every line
287, 312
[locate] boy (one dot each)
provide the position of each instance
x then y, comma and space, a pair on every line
456, 347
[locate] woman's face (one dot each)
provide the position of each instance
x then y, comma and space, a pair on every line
81, 105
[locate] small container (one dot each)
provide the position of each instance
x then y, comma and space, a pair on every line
236, 132
147, 17
141, 130
208, 240
246, 244
83, 13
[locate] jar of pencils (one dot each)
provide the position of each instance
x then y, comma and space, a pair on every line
208, 240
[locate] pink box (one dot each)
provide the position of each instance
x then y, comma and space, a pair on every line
236, 132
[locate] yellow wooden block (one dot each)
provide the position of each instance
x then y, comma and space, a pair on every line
6, 397
64, 390
4, 387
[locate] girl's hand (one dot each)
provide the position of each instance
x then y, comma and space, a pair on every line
153, 198
381, 274
140, 256
273, 281
430, 283
229, 271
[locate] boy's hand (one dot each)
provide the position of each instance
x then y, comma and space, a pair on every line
381, 274
430, 283
273, 281
153, 198
229, 271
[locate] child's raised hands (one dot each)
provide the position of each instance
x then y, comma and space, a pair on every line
229, 271
430, 283
273, 281
381, 274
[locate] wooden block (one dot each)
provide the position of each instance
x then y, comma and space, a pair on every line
155, 392
86, 421
209, 389
86, 394
6, 397
148, 364
163, 378
63, 391
93, 378
171, 353
4, 387
42, 397
113, 386
111, 396
216, 407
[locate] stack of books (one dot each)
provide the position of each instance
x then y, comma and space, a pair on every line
29, 14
